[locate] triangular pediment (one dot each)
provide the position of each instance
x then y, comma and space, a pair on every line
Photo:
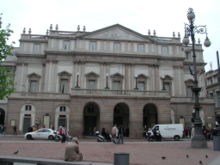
117, 32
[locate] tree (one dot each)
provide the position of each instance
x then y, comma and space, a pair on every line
6, 76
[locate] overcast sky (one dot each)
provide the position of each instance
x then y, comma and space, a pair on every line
165, 16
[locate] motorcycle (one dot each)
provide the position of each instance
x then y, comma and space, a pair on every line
101, 138
153, 135
58, 137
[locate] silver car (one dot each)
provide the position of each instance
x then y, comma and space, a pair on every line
43, 133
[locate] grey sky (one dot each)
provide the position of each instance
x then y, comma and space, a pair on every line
165, 16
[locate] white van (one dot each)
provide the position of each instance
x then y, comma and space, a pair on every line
167, 131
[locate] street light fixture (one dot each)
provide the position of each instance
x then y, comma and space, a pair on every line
198, 140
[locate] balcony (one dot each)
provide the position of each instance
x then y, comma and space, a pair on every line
90, 92
39, 96
120, 93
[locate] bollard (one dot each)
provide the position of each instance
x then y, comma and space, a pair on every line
121, 158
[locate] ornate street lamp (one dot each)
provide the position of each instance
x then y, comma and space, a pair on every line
198, 140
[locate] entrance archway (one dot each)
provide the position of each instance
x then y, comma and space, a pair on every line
150, 116
121, 117
2, 117
27, 117
62, 117
91, 118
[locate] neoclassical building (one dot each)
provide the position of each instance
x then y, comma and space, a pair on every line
213, 90
91, 80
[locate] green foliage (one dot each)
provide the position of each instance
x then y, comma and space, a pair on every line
5, 49
6, 76
6, 82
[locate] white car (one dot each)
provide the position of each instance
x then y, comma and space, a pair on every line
43, 133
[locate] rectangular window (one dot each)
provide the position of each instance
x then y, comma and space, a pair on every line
27, 107
33, 86
116, 85
209, 81
167, 87
91, 84
93, 46
36, 48
189, 91
64, 86
117, 47
141, 85
140, 48
217, 103
66, 45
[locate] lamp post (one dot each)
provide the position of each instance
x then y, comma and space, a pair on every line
198, 140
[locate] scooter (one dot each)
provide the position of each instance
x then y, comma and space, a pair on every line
58, 138
153, 136
101, 138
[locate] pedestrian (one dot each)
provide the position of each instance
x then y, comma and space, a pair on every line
72, 152
63, 135
120, 135
115, 134
3, 130
192, 131
14, 130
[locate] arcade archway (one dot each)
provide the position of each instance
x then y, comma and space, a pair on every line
150, 116
121, 117
2, 117
91, 119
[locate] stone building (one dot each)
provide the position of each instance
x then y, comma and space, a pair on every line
90, 80
212, 87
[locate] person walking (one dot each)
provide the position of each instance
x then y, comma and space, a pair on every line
63, 135
14, 130
115, 134
120, 135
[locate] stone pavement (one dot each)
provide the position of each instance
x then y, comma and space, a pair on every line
140, 151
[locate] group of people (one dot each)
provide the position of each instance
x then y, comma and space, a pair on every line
188, 132
117, 134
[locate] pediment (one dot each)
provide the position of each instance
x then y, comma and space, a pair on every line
34, 75
92, 74
117, 75
117, 32
64, 73
142, 76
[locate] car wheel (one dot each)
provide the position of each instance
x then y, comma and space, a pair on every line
29, 137
51, 137
176, 138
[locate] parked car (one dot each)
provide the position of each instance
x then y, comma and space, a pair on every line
43, 133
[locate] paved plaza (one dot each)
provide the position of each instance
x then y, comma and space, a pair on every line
140, 151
